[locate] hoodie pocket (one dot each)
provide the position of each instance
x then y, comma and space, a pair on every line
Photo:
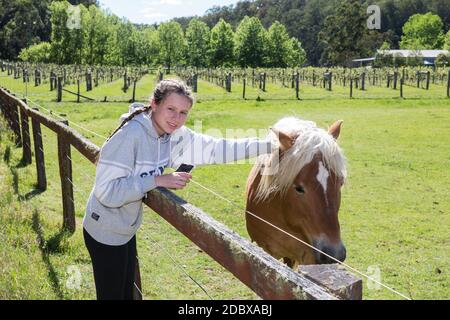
121, 220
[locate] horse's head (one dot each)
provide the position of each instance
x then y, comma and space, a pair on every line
304, 194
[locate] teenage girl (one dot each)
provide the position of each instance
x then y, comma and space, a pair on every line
131, 163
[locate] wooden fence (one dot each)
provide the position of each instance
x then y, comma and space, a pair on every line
358, 78
266, 276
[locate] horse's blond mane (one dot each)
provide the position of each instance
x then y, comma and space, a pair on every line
310, 141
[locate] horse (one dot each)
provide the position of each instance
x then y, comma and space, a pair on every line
297, 188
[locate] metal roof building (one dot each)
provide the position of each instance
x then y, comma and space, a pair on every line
429, 56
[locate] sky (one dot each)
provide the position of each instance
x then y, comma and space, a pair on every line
156, 11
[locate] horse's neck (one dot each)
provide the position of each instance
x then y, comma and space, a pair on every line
253, 181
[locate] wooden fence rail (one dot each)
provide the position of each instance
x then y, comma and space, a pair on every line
266, 276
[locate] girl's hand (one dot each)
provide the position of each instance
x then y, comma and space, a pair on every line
174, 180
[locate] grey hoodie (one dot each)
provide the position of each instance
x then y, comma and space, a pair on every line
131, 159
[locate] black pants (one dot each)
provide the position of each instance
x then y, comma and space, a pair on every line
114, 268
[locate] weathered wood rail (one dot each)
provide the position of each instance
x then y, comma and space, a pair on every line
266, 276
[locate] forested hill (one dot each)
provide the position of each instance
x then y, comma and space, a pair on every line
330, 31
304, 19
25, 22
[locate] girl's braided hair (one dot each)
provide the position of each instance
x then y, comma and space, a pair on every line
162, 91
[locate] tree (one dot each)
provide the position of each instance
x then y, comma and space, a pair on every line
112, 55
69, 26
305, 23
147, 48
22, 23
126, 42
447, 41
383, 58
36, 53
97, 34
343, 33
279, 46
222, 44
296, 55
59, 36
442, 60
423, 31
250, 38
198, 43
171, 43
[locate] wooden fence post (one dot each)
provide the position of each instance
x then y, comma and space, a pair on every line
137, 292
264, 82
88, 81
351, 87
125, 86
59, 87
330, 81
16, 124
297, 85
244, 83
402, 80
448, 84
26, 142
428, 80
195, 82
39, 154
228, 82
133, 99
253, 78
36, 77
65, 172
51, 81
78, 90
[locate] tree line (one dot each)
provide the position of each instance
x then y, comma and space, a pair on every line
90, 35
263, 33
327, 26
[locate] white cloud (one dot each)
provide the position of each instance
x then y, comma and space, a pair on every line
165, 2
155, 15
147, 10
152, 13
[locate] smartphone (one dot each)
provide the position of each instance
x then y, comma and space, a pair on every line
185, 168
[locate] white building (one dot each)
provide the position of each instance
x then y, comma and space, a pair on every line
428, 56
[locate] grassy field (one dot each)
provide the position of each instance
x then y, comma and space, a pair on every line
394, 214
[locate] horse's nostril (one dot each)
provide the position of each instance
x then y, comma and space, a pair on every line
342, 254
330, 252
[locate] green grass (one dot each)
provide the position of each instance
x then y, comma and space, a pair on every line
394, 214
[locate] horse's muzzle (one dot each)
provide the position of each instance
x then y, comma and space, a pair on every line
336, 251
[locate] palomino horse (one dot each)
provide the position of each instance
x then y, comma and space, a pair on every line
298, 189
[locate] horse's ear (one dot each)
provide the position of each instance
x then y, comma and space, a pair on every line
286, 141
335, 129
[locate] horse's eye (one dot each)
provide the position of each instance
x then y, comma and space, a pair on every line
299, 189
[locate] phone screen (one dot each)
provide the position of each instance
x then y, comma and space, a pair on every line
185, 168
